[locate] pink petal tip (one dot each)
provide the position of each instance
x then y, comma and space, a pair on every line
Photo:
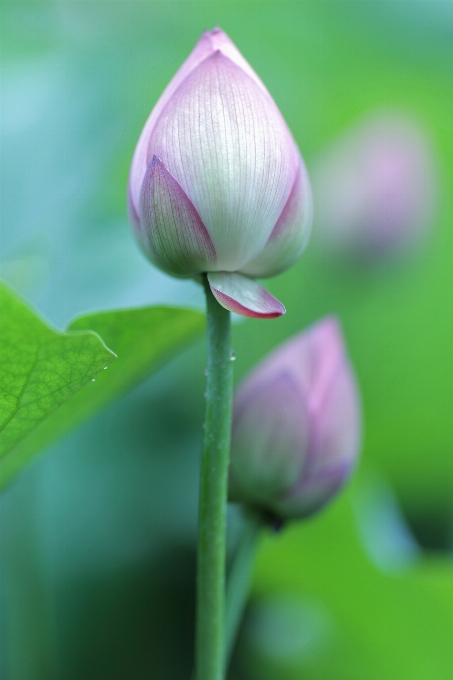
244, 296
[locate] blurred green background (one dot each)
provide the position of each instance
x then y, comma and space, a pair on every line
98, 536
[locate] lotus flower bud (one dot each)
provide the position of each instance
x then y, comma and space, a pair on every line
375, 188
217, 184
296, 426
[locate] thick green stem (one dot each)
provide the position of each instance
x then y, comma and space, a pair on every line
239, 579
210, 636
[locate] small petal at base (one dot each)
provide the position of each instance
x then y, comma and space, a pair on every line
171, 231
244, 296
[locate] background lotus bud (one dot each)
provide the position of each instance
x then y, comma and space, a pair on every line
375, 188
296, 426
217, 183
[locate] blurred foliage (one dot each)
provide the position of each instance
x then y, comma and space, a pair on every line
97, 537
366, 623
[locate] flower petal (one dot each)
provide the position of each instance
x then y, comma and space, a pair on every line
142, 157
225, 141
171, 231
270, 439
244, 296
290, 235
313, 492
209, 42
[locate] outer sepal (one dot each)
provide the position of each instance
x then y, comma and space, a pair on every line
244, 296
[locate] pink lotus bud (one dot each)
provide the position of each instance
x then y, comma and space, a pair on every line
296, 425
217, 183
374, 188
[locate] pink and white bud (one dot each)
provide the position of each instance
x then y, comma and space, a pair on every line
217, 184
296, 426
375, 188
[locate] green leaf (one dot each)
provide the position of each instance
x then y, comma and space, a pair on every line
374, 624
51, 381
40, 370
143, 339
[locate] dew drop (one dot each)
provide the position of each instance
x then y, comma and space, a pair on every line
105, 368
232, 356
93, 379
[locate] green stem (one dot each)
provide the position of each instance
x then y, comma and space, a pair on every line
213, 496
239, 580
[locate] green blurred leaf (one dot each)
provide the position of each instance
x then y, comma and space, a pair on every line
40, 370
379, 625
51, 381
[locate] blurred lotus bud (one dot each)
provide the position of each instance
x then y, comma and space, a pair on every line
296, 426
375, 188
217, 183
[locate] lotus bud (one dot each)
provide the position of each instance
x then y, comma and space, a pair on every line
217, 184
296, 426
375, 188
